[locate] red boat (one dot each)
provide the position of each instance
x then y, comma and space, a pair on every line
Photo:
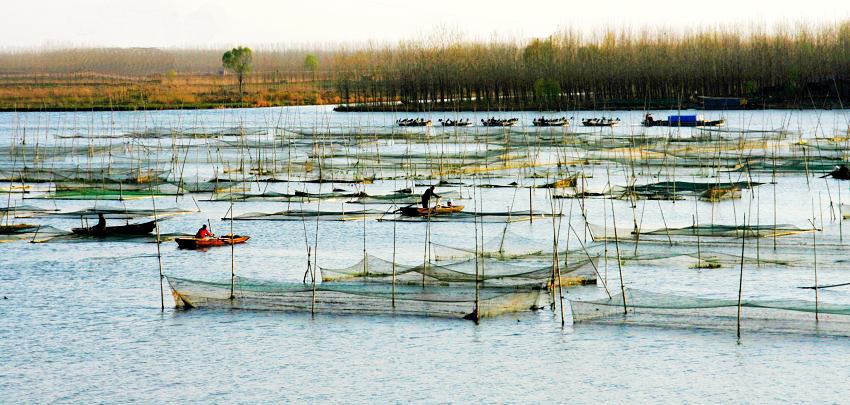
202, 243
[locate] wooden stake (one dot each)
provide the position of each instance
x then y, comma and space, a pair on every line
159, 257
232, 255
741, 277
393, 262
619, 261
815, 255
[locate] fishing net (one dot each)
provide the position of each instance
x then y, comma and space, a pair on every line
96, 175
702, 230
668, 310
491, 273
30, 232
485, 217
353, 298
673, 189
117, 213
93, 193
24, 210
401, 198
310, 215
507, 245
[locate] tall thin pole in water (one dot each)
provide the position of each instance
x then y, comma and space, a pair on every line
479, 254
159, 257
619, 261
365, 258
604, 239
815, 253
566, 257
741, 276
617, 245
555, 279
316, 246
232, 252
425, 254
393, 261
840, 218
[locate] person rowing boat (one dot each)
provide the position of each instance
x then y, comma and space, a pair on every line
204, 233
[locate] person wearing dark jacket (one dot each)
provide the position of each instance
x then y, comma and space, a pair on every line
426, 196
840, 173
101, 223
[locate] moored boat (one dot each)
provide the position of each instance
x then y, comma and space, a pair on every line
551, 122
123, 230
413, 122
682, 121
497, 122
201, 243
600, 122
455, 123
413, 211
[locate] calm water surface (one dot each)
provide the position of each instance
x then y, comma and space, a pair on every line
81, 322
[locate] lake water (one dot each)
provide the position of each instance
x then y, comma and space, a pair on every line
81, 321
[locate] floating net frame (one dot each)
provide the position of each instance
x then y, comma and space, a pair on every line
352, 298
646, 308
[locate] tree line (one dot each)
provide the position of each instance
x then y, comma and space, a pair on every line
786, 65
609, 70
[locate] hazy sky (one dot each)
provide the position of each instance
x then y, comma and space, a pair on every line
162, 23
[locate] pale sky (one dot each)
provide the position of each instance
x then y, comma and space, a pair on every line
191, 23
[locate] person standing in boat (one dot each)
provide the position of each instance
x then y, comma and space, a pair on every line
204, 233
426, 196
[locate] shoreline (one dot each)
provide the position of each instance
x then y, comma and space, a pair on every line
344, 108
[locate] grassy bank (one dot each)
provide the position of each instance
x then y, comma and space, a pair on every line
99, 91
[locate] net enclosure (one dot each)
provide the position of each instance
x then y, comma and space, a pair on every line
353, 298
647, 308
491, 273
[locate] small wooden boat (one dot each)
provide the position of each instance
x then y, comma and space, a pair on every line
413, 211
494, 122
413, 122
600, 122
551, 122
454, 123
123, 230
201, 243
682, 121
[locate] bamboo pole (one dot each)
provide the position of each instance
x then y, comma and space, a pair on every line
619, 260
393, 262
741, 279
479, 253
232, 255
159, 257
815, 268
365, 256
